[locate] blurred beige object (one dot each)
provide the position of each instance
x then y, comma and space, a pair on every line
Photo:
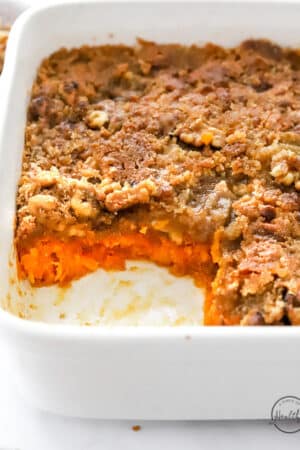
9, 10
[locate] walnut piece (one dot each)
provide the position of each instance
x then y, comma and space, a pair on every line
96, 119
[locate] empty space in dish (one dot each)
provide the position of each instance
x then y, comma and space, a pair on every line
143, 294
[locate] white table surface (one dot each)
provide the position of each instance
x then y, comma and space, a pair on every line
25, 428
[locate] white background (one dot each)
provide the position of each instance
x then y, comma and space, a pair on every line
24, 428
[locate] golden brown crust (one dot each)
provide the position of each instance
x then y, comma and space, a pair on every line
205, 138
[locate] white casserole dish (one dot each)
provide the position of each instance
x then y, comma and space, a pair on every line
137, 372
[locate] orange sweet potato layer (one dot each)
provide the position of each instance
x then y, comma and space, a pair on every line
48, 260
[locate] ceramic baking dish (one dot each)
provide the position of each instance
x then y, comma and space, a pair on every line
137, 372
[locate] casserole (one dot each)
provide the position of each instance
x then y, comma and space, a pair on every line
161, 373
184, 156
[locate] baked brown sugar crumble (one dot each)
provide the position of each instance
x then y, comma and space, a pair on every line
185, 156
